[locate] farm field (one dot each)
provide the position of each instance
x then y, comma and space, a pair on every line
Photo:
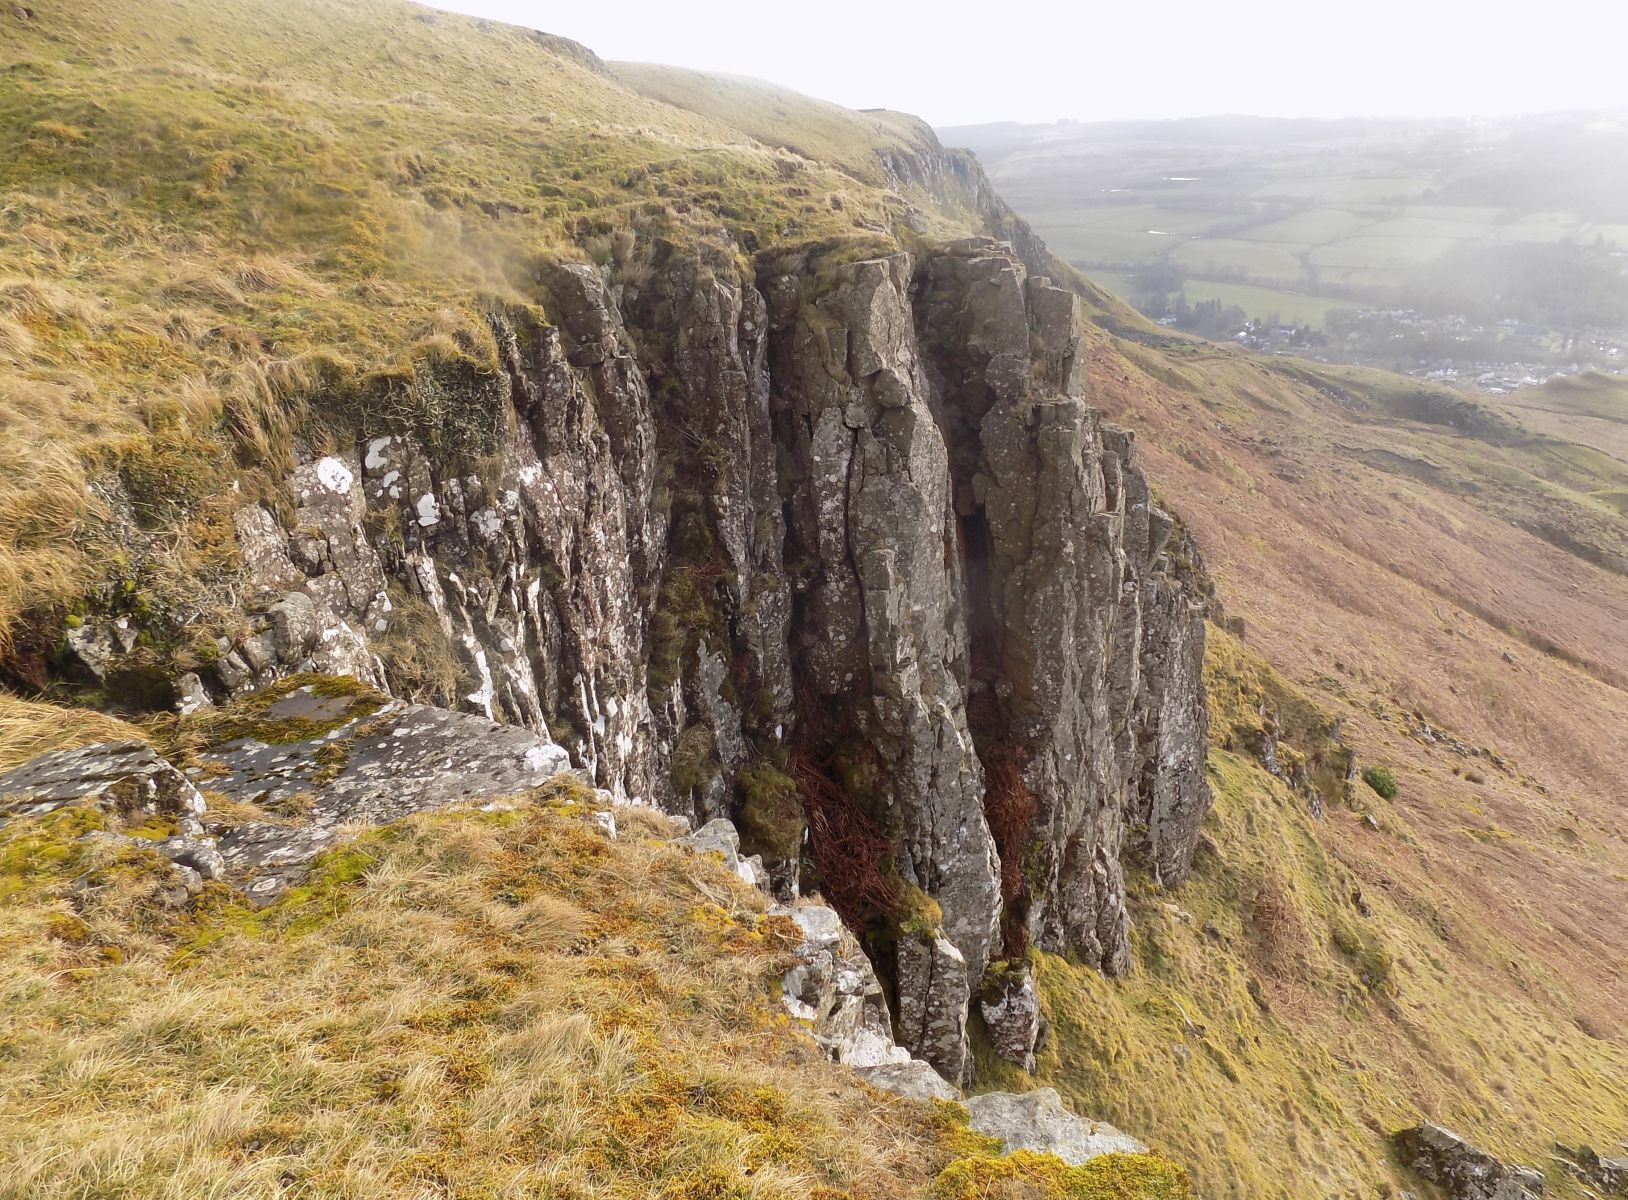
1305, 217
1294, 308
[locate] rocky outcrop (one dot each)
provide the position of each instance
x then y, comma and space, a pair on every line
321, 768
373, 763
126, 778
1606, 1174
1463, 1171
1011, 1012
838, 553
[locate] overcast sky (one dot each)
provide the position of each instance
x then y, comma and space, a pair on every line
958, 63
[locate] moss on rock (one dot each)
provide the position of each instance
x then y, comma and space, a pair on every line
772, 820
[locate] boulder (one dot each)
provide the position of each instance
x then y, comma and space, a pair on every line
1462, 1170
1038, 1121
912, 1079
123, 778
719, 836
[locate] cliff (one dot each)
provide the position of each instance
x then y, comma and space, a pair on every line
842, 549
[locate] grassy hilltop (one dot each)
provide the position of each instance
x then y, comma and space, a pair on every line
217, 217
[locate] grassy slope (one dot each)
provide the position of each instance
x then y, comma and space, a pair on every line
469, 1005
1377, 560
1387, 567
210, 211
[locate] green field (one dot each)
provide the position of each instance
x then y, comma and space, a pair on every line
1305, 216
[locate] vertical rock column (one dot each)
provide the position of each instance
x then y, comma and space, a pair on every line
880, 635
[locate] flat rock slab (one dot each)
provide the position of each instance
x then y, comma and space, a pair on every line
401, 759
914, 1080
1038, 1121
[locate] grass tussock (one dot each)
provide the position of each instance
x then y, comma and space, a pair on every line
461, 1004
29, 728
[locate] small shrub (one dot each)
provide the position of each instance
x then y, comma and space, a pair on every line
1381, 780
1025, 1175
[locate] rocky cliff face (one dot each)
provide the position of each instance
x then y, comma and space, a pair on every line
840, 553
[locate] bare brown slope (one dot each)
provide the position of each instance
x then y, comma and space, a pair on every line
1369, 566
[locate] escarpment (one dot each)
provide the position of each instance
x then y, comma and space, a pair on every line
839, 552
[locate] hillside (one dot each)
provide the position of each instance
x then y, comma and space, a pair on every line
749, 452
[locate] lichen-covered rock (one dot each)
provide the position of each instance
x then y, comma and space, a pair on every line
315, 595
1038, 1121
1011, 1011
374, 767
834, 988
126, 778
934, 995
912, 1079
721, 837
880, 636
1463, 1171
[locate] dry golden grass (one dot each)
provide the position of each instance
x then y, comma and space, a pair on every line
29, 728
460, 1005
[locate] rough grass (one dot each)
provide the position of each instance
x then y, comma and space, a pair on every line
28, 728
459, 1005
216, 217
1314, 986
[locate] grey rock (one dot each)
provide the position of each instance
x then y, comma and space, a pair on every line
1462, 1170
1605, 1174
191, 695
197, 854
1038, 1121
401, 759
914, 1080
99, 645
934, 993
121, 777
720, 837
834, 989
1012, 1017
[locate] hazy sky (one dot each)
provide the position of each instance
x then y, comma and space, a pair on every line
956, 63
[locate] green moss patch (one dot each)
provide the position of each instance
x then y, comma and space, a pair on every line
772, 821
1027, 1176
296, 709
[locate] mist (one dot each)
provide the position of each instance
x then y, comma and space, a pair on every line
959, 63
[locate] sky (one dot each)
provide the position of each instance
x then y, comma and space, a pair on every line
1020, 60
